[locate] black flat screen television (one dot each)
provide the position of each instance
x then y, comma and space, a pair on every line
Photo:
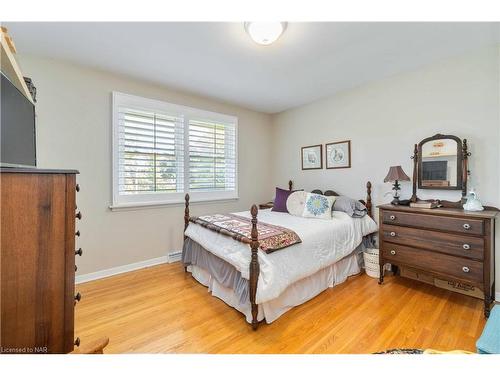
17, 127
435, 170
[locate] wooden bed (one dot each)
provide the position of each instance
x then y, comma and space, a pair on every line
254, 241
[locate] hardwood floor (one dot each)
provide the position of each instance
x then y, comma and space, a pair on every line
163, 309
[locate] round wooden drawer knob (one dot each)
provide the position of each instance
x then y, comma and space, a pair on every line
77, 233
79, 252
78, 215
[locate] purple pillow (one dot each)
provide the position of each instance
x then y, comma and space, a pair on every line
280, 200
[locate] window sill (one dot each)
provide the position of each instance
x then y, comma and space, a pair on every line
153, 205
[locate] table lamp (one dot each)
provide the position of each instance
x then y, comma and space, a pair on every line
395, 175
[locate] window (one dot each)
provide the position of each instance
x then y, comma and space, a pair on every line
162, 151
212, 156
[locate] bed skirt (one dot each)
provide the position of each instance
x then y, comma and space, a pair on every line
224, 273
226, 283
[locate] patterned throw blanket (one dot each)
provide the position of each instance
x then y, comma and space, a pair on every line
271, 237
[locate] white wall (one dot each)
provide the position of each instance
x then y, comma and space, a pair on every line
385, 119
74, 131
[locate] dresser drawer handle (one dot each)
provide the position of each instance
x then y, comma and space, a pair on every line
77, 341
392, 217
78, 297
77, 187
393, 234
466, 246
393, 252
79, 252
78, 215
466, 269
77, 233
466, 226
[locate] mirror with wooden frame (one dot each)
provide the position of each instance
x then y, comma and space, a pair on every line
440, 162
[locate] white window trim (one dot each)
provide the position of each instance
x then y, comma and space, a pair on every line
151, 200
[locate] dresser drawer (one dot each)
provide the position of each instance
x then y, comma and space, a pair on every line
453, 244
460, 268
453, 224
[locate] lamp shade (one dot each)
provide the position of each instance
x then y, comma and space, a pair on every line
396, 173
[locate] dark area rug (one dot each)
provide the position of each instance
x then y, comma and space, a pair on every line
402, 351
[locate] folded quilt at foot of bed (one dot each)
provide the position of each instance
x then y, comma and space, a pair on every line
271, 237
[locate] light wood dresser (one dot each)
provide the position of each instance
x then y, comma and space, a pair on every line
449, 243
37, 259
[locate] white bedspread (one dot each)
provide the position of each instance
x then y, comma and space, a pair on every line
324, 242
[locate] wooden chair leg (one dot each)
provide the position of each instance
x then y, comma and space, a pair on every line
92, 347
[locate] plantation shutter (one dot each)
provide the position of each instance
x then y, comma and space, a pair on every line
212, 155
151, 152
161, 151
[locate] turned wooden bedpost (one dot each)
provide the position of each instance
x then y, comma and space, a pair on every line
369, 198
290, 185
186, 213
254, 267
186, 219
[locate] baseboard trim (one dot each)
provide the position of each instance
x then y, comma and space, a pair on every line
175, 257
120, 269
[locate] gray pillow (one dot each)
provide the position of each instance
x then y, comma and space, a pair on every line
350, 206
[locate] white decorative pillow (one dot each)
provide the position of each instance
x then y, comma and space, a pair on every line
296, 202
318, 206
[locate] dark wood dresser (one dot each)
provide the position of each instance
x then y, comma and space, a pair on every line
448, 243
38, 210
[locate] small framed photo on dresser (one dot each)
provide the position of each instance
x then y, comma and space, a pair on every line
312, 157
338, 155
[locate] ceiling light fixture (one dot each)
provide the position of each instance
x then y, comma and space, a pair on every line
265, 33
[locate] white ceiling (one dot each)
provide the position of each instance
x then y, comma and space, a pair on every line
218, 60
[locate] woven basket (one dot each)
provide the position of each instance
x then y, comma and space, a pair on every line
371, 262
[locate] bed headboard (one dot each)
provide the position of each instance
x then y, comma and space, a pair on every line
328, 193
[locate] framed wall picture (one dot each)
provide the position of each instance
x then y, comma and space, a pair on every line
338, 155
312, 157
